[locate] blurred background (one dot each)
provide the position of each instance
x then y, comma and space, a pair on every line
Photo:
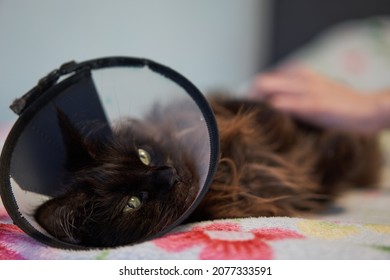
213, 43
217, 44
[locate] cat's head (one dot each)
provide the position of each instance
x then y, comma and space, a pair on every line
121, 188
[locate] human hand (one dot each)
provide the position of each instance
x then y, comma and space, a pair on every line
314, 98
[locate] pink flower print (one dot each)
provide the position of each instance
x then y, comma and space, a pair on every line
8, 232
226, 241
15, 244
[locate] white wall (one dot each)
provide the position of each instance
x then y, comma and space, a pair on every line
214, 43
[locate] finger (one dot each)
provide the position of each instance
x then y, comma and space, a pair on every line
293, 104
271, 84
299, 70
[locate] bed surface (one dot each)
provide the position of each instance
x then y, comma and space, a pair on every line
358, 227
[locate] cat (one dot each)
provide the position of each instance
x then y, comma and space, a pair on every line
126, 187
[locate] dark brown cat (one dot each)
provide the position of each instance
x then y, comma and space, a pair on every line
121, 188
126, 188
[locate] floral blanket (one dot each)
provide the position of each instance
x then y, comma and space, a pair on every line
249, 238
357, 227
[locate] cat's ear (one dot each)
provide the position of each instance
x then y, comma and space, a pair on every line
76, 146
63, 216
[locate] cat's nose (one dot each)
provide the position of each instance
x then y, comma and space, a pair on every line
165, 177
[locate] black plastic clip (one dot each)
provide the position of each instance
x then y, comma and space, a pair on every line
20, 104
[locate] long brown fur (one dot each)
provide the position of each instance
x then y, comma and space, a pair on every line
273, 165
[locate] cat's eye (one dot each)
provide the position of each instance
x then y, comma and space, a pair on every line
132, 204
144, 156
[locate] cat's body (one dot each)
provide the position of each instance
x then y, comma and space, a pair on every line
126, 188
274, 165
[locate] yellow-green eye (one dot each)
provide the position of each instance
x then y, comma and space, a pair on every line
144, 156
132, 204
